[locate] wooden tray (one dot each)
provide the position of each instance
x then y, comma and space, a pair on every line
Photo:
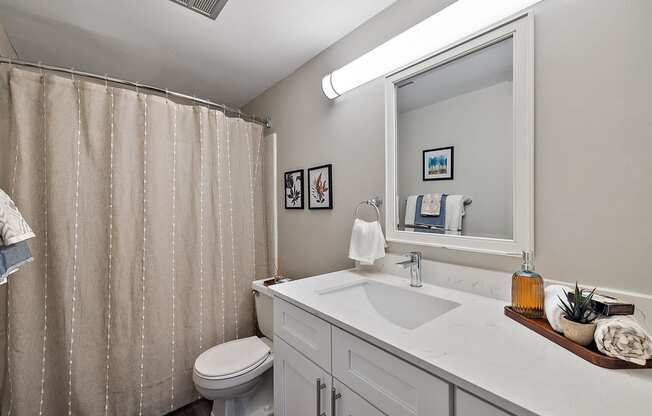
590, 353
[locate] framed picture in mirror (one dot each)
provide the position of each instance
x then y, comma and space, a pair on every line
438, 164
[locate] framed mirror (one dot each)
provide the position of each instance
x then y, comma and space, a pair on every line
460, 145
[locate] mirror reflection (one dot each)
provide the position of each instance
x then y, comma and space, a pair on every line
455, 146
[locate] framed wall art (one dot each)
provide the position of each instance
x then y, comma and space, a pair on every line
320, 187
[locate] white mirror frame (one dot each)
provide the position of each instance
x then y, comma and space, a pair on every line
520, 28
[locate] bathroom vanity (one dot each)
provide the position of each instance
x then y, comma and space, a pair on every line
365, 343
459, 175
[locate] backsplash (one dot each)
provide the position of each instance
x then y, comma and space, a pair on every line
494, 284
488, 283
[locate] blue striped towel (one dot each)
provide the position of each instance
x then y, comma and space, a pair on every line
12, 258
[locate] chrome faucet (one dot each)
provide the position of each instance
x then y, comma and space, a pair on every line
414, 263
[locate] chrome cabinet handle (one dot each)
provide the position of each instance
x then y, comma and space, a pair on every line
334, 396
319, 386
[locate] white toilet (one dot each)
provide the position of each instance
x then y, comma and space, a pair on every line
237, 375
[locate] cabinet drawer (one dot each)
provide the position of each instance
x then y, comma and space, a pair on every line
467, 404
350, 404
305, 332
389, 383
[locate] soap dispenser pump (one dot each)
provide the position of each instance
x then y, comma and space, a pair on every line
527, 289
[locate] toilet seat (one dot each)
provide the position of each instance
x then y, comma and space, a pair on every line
231, 358
232, 364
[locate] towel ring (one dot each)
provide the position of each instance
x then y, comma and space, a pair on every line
374, 203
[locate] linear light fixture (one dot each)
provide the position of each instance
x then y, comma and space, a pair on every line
453, 23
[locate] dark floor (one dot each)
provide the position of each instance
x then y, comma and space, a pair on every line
199, 408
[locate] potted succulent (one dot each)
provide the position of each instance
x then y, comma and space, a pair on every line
577, 321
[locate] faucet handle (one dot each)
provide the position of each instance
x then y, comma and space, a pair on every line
414, 256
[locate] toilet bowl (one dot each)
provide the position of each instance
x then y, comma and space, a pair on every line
236, 375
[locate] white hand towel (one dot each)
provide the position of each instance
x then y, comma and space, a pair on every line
552, 294
410, 209
430, 205
367, 242
13, 227
622, 337
455, 211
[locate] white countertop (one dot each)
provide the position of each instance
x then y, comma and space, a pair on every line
478, 348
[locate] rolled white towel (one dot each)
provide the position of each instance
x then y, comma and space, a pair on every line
551, 303
622, 337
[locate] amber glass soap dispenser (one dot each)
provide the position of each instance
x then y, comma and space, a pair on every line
527, 289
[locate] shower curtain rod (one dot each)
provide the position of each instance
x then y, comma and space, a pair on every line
222, 107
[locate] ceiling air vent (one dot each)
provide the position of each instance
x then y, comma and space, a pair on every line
208, 8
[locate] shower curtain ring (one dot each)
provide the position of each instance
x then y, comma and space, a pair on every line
40, 68
167, 97
106, 81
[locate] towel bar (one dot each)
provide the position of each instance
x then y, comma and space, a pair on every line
374, 202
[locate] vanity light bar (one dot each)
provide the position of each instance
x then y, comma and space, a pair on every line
457, 21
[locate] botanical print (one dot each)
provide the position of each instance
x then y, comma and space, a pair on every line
438, 164
319, 189
294, 189
321, 193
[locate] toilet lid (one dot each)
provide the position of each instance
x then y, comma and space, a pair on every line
231, 357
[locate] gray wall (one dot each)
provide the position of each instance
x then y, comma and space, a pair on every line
592, 108
6, 49
479, 125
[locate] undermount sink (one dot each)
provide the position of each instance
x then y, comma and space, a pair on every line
403, 307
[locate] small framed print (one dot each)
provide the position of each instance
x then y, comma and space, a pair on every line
294, 189
438, 164
320, 187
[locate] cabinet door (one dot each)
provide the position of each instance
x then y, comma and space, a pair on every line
469, 405
389, 383
350, 404
301, 388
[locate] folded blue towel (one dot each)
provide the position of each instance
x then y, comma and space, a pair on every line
12, 257
439, 221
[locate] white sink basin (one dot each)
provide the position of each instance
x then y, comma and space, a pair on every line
404, 307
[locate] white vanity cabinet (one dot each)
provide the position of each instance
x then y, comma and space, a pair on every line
322, 370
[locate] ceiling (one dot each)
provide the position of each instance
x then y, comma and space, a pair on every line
481, 69
252, 45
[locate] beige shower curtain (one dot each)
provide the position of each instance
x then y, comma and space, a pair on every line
149, 218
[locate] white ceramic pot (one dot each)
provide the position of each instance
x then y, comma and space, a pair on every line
576, 332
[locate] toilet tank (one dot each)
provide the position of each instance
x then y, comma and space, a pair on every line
264, 308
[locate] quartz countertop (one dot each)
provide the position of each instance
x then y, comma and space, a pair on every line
478, 348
